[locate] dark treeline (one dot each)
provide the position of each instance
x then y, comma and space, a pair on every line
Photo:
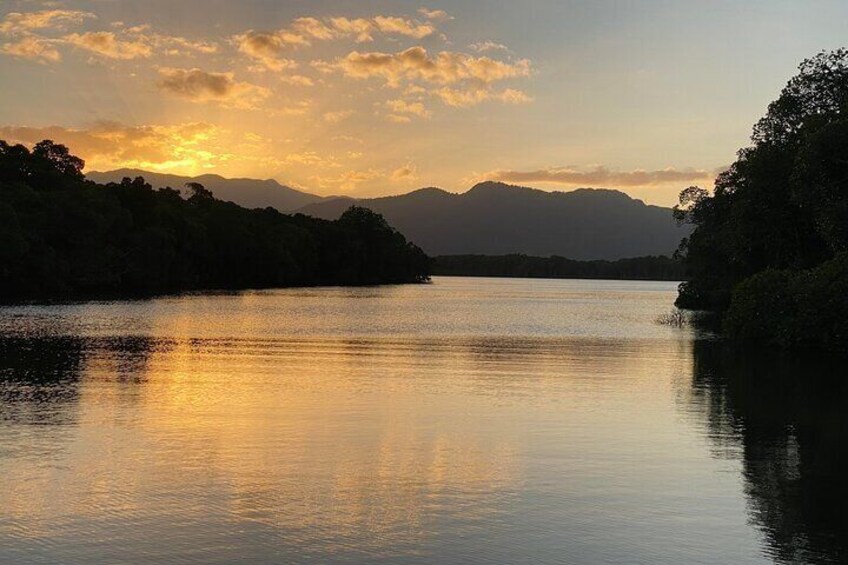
769, 251
64, 236
658, 268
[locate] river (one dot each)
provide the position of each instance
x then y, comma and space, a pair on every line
470, 420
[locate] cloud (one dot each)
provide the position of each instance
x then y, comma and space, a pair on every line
347, 139
406, 173
472, 97
601, 176
312, 28
107, 44
389, 24
18, 23
110, 145
398, 119
399, 107
336, 117
485, 46
33, 48
202, 86
297, 80
129, 43
169, 44
437, 15
415, 64
359, 28
265, 48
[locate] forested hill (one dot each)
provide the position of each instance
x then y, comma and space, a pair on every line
250, 193
498, 219
64, 236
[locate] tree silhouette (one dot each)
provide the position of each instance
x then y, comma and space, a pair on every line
61, 235
782, 205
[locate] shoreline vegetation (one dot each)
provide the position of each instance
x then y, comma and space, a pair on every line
64, 237
658, 268
769, 249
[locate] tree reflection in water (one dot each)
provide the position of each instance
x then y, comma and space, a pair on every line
787, 413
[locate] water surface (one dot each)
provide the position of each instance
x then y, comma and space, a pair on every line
465, 421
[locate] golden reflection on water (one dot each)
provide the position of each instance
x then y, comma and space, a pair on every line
362, 439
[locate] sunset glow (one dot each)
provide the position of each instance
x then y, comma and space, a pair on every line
390, 96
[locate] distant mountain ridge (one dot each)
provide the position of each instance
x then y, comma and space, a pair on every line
491, 218
250, 193
494, 218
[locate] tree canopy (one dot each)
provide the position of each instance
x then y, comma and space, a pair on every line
782, 206
61, 235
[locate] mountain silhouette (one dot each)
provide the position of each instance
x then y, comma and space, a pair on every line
249, 193
495, 219
491, 218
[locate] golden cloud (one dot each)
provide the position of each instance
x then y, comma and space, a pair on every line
134, 42
169, 44
33, 48
308, 27
202, 86
17, 22
438, 15
406, 173
107, 44
400, 107
401, 26
485, 46
297, 80
358, 28
415, 64
601, 176
474, 96
265, 48
336, 117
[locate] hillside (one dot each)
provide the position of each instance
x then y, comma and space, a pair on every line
499, 219
62, 236
249, 193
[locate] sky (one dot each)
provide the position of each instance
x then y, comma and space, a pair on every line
382, 97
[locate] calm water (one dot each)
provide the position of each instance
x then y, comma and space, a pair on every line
466, 421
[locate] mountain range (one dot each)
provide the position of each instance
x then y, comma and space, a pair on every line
491, 218
250, 193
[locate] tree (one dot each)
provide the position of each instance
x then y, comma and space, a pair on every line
781, 205
198, 192
59, 158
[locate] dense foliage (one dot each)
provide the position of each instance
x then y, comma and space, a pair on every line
61, 235
516, 265
769, 240
793, 307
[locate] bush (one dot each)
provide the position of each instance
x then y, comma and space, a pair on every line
793, 308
